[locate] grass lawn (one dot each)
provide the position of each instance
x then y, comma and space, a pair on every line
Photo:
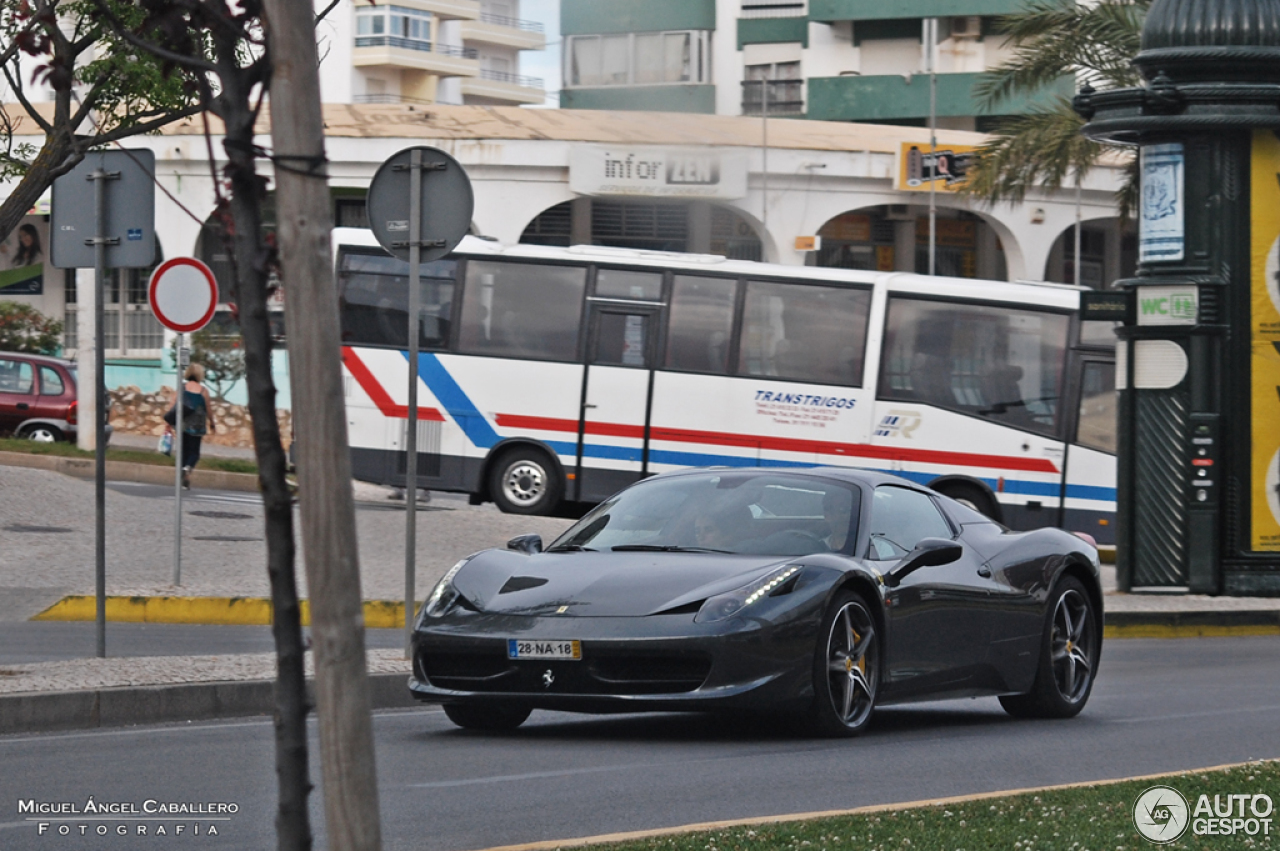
1086, 818
134, 456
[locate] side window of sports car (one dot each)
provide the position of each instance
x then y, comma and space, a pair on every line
900, 517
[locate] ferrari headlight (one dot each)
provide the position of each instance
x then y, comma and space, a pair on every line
443, 596
727, 605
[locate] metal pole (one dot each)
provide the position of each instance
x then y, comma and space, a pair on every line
180, 362
411, 437
100, 241
931, 39
764, 155
1077, 234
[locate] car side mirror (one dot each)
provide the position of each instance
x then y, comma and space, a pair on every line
531, 544
929, 552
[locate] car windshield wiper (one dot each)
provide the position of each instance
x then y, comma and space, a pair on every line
663, 548
570, 548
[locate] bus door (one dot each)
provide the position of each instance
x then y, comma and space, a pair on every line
616, 396
1089, 478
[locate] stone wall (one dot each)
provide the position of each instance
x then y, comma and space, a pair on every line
135, 412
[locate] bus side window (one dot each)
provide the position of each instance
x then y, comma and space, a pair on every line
522, 310
700, 324
374, 302
1001, 363
804, 332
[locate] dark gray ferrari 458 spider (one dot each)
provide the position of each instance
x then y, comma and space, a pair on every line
822, 593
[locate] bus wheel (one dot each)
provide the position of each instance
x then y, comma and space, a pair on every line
523, 481
971, 496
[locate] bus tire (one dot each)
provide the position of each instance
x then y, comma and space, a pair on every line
971, 496
524, 480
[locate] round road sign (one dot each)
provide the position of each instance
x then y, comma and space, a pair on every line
183, 294
447, 203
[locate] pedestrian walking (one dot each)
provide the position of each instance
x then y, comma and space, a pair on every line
197, 419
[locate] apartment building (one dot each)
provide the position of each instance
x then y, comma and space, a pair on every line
427, 52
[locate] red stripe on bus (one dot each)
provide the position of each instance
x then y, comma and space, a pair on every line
380, 397
782, 444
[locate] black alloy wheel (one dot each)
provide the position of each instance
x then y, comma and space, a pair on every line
846, 673
473, 716
1069, 653
524, 481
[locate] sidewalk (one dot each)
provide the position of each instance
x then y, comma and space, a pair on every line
224, 581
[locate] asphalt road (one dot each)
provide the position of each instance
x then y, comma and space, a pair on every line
1159, 706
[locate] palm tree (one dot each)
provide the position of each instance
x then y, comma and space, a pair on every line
1093, 44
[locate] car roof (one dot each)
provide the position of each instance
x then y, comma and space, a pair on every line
37, 358
871, 478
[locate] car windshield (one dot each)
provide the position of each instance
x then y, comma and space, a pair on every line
731, 512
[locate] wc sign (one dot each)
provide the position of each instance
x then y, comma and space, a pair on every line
1167, 305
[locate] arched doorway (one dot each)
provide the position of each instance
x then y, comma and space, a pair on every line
696, 227
895, 237
1108, 252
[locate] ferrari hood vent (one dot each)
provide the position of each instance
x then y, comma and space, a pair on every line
521, 583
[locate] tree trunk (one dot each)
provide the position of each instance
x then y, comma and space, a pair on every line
293, 826
304, 223
39, 177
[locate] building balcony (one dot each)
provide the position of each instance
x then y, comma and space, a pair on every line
685, 97
467, 10
828, 11
508, 32
896, 97
444, 60
504, 87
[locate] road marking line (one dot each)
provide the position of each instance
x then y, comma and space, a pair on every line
579, 842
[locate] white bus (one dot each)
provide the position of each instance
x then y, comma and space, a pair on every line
554, 376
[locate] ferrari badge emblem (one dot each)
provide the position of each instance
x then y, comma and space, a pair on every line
548, 678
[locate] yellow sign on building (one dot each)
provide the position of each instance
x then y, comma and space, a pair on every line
1265, 337
944, 168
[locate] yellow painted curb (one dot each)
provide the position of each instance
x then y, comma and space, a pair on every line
234, 611
1188, 630
580, 842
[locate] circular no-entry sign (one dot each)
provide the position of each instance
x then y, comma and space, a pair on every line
183, 294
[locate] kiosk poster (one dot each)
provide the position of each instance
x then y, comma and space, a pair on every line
22, 258
1265, 338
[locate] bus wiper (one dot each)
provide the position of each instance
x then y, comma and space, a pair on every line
663, 548
571, 548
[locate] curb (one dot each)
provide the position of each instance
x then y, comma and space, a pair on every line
127, 471
48, 712
221, 611
389, 614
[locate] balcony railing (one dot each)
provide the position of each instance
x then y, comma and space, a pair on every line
414, 44
775, 9
513, 79
785, 97
390, 99
515, 23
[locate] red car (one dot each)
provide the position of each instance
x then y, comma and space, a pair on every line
38, 397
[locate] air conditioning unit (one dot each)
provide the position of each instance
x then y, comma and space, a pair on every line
966, 26
898, 212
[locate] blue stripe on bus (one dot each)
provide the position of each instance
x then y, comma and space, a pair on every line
455, 401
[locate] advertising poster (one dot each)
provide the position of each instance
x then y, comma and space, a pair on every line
1265, 336
1161, 224
944, 169
22, 258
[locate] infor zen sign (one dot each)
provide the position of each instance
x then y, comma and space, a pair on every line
658, 172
